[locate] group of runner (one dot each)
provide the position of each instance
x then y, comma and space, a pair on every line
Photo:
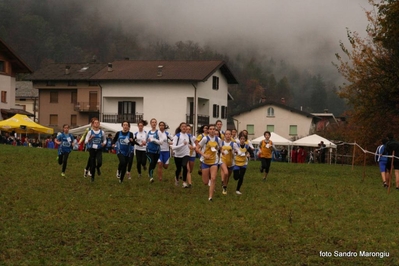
217, 149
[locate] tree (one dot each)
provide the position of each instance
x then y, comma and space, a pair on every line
318, 95
371, 68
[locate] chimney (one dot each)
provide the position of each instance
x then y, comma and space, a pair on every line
67, 70
160, 67
282, 100
262, 99
110, 67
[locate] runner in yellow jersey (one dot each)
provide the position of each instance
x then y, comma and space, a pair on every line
201, 132
208, 148
228, 149
241, 162
265, 153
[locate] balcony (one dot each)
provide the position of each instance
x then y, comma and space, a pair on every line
87, 107
115, 118
202, 119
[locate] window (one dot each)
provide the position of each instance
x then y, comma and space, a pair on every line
293, 130
215, 111
215, 83
224, 112
93, 83
53, 96
126, 108
74, 120
3, 96
270, 111
72, 83
53, 120
2, 66
251, 129
74, 97
270, 128
50, 83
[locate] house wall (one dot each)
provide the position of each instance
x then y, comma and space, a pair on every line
27, 104
281, 120
165, 101
219, 97
64, 108
7, 83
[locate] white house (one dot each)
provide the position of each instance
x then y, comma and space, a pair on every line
195, 92
10, 66
27, 98
286, 121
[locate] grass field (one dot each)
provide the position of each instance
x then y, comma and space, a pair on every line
301, 211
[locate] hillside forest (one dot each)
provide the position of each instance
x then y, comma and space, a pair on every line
47, 31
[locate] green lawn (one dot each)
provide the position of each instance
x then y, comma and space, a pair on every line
301, 210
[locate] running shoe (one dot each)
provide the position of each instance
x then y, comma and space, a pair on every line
151, 180
117, 174
210, 199
128, 175
62, 174
85, 173
238, 192
185, 185
224, 191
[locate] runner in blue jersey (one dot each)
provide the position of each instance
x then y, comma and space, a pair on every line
65, 141
122, 142
153, 148
95, 141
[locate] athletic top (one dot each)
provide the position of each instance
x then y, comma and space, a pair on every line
179, 147
227, 152
153, 141
210, 146
141, 137
66, 142
266, 149
241, 158
99, 138
166, 138
122, 142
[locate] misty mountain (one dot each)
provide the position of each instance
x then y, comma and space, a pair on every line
45, 31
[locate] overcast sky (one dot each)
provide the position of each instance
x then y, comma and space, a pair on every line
302, 32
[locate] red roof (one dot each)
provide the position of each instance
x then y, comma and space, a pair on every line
154, 70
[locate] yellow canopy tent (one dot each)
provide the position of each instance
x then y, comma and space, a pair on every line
23, 124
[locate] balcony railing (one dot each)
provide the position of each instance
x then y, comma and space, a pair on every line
201, 119
115, 118
86, 107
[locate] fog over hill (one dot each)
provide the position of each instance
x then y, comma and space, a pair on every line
305, 33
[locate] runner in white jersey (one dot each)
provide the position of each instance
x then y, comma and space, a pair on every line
140, 137
164, 154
